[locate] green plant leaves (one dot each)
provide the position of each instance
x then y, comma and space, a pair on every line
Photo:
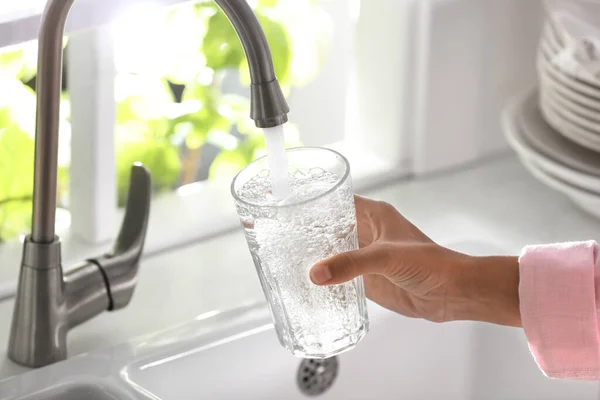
142, 98
227, 164
12, 62
143, 131
20, 63
267, 3
18, 102
15, 218
206, 117
280, 44
17, 118
16, 179
221, 45
190, 45
223, 48
16, 162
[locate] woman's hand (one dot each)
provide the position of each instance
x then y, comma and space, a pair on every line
407, 272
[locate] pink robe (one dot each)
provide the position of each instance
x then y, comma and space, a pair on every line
559, 292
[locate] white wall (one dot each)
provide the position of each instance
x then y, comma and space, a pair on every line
423, 80
475, 55
319, 109
380, 105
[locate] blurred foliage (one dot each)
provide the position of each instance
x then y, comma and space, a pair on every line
16, 164
174, 93
17, 127
17, 118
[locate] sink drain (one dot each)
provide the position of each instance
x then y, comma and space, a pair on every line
315, 377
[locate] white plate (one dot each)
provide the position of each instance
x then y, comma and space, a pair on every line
567, 128
546, 79
568, 115
554, 28
564, 102
522, 117
565, 45
546, 65
550, 39
587, 201
548, 141
573, 19
555, 83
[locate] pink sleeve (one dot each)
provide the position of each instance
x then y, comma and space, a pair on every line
559, 308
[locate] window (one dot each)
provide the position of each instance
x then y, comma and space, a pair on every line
170, 83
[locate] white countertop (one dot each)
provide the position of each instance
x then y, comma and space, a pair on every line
496, 207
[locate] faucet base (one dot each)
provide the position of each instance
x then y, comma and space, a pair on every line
38, 332
49, 303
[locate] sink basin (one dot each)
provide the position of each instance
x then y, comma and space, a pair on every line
236, 355
81, 390
252, 365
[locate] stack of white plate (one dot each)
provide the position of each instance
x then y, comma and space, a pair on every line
555, 129
553, 159
569, 74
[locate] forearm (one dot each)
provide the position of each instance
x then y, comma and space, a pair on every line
487, 291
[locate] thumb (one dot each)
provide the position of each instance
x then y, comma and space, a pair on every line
347, 266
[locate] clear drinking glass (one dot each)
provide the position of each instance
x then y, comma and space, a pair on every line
287, 237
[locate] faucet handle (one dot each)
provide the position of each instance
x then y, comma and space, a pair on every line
135, 223
120, 266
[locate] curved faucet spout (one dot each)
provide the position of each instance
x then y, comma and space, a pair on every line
50, 302
268, 108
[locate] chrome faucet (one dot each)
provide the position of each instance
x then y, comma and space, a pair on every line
50, 302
